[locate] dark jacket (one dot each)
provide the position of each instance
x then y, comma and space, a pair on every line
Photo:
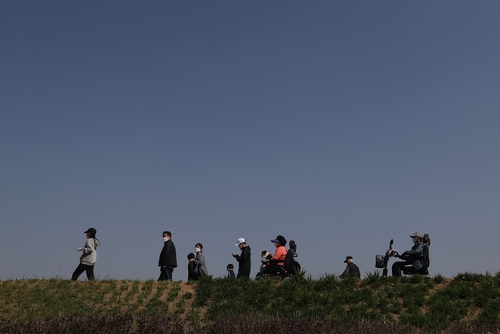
168, 257
415, 255
191, 274
244, 262
351, 270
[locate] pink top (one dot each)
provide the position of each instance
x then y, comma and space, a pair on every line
280, 255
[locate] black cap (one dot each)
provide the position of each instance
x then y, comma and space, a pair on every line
281, 239
91, 231
347, 258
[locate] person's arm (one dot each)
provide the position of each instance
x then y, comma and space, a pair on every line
245, 255
201, 258
345, 273
190, 271
419, 249
89, 246
279, 255
163, 257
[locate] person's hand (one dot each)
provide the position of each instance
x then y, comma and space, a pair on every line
79, 249
234, 255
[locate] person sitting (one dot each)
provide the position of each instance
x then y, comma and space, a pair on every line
412, 258
278, 258
264, 260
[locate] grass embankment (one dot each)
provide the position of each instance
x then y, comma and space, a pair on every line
468, 303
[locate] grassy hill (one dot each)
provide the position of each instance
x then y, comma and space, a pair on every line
468, 303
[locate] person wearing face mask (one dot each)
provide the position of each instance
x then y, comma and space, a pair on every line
168, 258
279, 255
201, 259
412, 259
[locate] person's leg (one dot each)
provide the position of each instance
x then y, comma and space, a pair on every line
396, 268
78, 271
90, 272
168, 273
241, 275
162, 275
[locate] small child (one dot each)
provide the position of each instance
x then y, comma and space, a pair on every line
191, 265
230, 271
264, 259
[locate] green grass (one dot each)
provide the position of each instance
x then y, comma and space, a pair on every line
416, 304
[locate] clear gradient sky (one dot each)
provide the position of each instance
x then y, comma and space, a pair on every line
339, 124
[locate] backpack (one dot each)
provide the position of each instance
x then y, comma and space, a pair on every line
197, 269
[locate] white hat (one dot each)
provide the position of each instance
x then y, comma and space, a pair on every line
240, 241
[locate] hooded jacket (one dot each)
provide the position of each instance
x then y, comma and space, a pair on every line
89, 255
244, 262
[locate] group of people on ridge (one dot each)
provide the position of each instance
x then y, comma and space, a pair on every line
197, 266
412, 259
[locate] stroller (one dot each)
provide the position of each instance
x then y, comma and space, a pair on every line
381, 261
291, 267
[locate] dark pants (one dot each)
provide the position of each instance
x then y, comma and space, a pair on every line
272, 269
398, 267
80, 269
166, 274
242, 275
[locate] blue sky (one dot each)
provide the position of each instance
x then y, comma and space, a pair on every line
339, 124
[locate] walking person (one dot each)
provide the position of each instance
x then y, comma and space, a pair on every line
201, 259
168, 258
351, 269
193, 275
230, 271
89, 256
243, 259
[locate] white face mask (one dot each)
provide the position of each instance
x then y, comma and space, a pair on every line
197, 249
165, 239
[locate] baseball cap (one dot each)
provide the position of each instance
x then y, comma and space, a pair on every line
91, 231
240, 241
416, 234
347, 258
280, 239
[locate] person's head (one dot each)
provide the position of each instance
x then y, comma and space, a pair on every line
90, 233
230, 267
264, 253
198, 248
279, 241
167, 236
241, 243
348, 259
190, 257
416, 237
